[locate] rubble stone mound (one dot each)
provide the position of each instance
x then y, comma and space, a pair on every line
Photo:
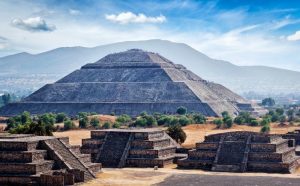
43, 160
131, 82
130, 147
242, 152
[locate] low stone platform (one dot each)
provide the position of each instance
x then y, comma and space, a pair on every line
294, 135
241, 152
42, 160
130, 147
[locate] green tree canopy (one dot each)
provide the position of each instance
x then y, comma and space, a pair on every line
269, 102
177, 133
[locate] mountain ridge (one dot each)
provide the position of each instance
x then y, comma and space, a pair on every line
240, 79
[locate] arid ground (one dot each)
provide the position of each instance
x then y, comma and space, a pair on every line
195, 132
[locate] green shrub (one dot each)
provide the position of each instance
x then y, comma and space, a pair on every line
123, 119
116, 125
264, 122
265, 129
176, 133
48, 118
83, 122
112, 113
199, 118
95, 122
254, 123
174, 121
140, 122
106, 125
68, 124
225, 114
164, 120
25, 117
218, 122
60, 117
181, 110
144, 113
37, 128
151, 121
239, 120
228, 122
183, 121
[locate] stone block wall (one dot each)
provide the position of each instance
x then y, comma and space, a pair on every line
243, 151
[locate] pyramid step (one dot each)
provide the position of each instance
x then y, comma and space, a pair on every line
22, 156
226, 168
26, 168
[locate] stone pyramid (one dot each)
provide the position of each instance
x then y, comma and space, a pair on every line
131, 82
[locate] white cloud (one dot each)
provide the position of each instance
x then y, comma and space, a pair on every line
74, 12
33, 24
294, 37
129, 17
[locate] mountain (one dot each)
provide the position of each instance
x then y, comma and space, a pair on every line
61, 61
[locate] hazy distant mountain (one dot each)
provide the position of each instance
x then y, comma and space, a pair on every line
61, 61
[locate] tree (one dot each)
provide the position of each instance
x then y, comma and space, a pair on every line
150, 121
218, 122
290, 114
48, 118
269, 102
123, 119
95, 122
68, 124
25, 117
279, 111
282, 119
265, 128
116, 125
60, 117
140, 122
228, 122
254, 123
106, 125
183, 121
83, 121
181, 110
37, 128
176, 133
225, 114
6, 98
239, 120
199, 118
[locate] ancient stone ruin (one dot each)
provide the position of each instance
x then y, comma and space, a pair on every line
295, 135
130, 147
129, 83
43, 160
242, 152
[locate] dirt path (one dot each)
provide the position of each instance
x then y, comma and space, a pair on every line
170, 175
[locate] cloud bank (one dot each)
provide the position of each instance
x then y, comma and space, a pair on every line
294, 37
33, 24
129, 17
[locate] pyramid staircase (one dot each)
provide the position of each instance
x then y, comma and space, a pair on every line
42, 160
130, 148
242, 152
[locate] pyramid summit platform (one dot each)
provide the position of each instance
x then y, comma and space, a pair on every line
131, 82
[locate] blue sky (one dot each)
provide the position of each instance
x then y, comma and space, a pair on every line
252, 32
